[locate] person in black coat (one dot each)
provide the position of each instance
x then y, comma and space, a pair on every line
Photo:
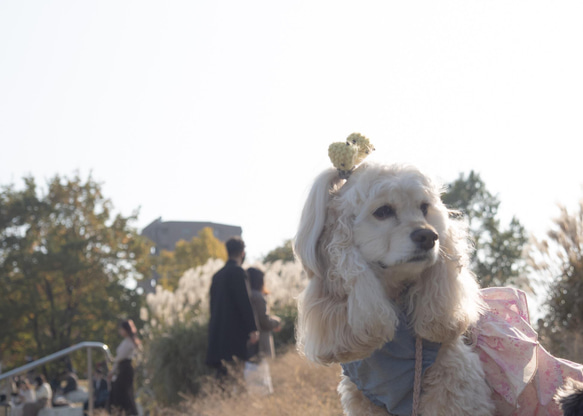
100, 391
232, 326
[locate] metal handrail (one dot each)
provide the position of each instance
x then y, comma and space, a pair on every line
62, 353
57, 355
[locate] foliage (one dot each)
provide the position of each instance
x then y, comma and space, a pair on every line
176, 361
287, 336
498, 259
64, 259
559, 260
177, 322
171, 265
284, 253
190, 300
300, 388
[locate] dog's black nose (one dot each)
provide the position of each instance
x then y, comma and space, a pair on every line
424, 238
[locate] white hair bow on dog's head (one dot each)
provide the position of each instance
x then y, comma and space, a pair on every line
345, 156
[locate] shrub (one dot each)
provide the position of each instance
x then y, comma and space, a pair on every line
300, 388
176, 361
285, 338
176, 331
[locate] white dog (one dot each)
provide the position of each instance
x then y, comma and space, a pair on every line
387, 261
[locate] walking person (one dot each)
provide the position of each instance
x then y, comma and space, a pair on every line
232, 326
267, 323
257, 375
121, 399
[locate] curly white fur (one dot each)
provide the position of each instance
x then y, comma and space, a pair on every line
361, 265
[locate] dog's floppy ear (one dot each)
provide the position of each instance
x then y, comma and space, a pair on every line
446, 301
344, 314
313, 220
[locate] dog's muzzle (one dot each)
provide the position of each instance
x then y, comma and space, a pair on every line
424, 238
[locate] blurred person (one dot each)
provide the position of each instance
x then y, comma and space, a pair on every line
71, 381
232, 326
44, 397
8, 390
257, 374
25, 394
100, 390
267, 323
122, 400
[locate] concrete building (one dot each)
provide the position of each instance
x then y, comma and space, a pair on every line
165, 235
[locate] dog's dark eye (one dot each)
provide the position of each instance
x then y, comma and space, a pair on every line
424, 208
384, 212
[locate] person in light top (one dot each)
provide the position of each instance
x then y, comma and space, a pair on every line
25, 394
44, 397
121, 400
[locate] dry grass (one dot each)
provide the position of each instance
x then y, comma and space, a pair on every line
301, 388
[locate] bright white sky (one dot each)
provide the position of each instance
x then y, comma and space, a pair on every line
223, 110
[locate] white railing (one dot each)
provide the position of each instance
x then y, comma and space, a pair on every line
55, 356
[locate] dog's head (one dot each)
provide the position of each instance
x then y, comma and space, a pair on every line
380, 239
397, 218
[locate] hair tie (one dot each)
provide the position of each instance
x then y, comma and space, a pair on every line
346, 156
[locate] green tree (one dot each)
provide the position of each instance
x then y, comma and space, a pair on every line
558, 260
64, 262
171, 265
284, 252
498, 258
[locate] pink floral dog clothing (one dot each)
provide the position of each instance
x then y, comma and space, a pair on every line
524, 377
